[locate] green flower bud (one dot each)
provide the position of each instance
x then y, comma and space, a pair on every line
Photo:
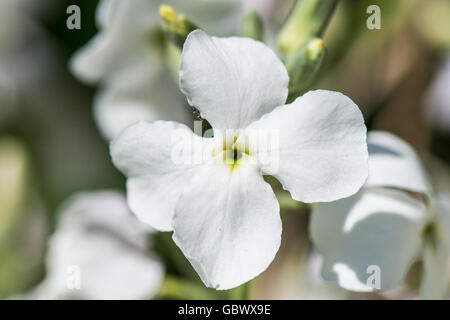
303, 65
175, 25
308, 19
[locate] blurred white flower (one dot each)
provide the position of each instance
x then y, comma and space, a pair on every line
225, 216
99, 251
390, 223
128, 57
312, 287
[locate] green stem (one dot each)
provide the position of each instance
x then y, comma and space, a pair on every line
287, 203
240, 293
172, 256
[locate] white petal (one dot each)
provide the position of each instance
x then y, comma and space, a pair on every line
140, 92
126, 56
104, 57
319, 152
436, 272
312, 286
374, 227
145, 153
99, 242
103, 210
228, 226
393, 163
108, 269
126, 29
105, 13
232, 81
157, 98
94, 61
114, 113
122, 42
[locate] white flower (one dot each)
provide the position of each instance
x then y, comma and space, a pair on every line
225, 217
312, 287
99, 251
128, 57
296, 277
390, 223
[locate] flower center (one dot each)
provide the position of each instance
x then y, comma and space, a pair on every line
232, 156
232, 153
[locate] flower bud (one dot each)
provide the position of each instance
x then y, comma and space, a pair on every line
308, 19
175, 25
303, 65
